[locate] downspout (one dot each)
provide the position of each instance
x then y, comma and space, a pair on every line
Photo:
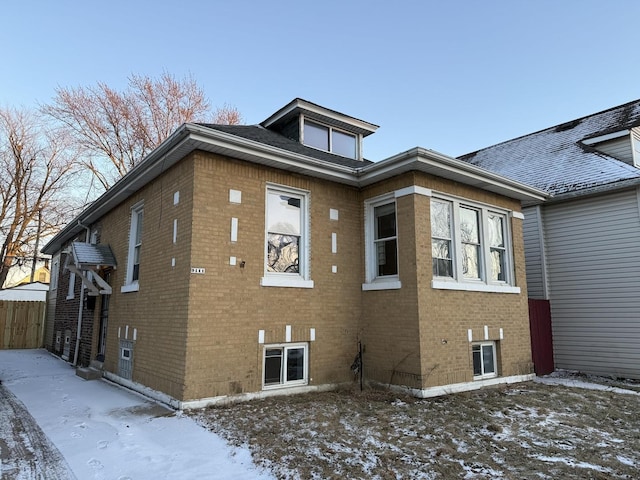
81, 304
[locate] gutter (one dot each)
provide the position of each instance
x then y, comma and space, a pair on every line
430, 159
190, 137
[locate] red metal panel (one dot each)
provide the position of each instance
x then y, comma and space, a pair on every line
541, 336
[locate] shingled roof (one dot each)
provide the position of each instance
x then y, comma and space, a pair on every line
262, 135
555, 159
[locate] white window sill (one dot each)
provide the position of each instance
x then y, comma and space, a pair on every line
276, 386
485, 377
131, 287
473, 287
380, 284
291, 282
70, 297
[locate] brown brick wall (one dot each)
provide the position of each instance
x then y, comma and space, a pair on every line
158, 311
417, 335
228, 305
197, 334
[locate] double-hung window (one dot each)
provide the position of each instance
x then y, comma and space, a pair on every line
287, 238
470, 247
135, 246
484, 360
285, 365
381, 250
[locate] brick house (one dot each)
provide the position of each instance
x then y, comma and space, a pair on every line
247, 261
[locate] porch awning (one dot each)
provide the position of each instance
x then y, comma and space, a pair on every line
86, 260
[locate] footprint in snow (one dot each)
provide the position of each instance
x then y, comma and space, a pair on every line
95, 464
103, 444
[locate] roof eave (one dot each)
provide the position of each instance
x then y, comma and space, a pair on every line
191, 137
188, 138
435, 163
365, 127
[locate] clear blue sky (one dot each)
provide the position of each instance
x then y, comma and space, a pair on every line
452, 76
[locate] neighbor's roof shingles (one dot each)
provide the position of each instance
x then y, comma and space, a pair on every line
556, 161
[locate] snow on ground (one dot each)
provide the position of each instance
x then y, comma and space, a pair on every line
106, 432
572, 379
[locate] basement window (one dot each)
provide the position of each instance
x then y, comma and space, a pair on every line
285, 365
484, 360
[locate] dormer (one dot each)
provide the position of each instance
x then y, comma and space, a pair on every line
321, 128
623, 145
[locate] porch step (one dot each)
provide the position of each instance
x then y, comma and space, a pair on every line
89, 373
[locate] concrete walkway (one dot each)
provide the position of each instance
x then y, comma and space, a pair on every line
55, 425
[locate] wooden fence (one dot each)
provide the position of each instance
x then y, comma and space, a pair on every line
21, 324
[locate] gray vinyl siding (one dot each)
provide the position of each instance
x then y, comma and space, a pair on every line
593, 266
533, 253
619, 148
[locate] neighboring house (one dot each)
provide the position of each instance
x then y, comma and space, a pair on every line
255, 260
582, 247
22, 273
25, 292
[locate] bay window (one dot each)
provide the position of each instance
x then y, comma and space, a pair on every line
381, 250
470, 247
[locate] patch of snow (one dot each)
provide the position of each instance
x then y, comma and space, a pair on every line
104, 431
626, 461
571, 463
567, 381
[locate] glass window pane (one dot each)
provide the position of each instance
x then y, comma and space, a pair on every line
441, 253
470, 256
272, 366
487, 359
385, 221
316, 136
283, 253
469, 225
139, 221
387, 257
295, 364
343, 144
477, 360
497, 265
283, 213
440, 219
496, 231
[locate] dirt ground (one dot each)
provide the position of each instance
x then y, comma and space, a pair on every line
524, 431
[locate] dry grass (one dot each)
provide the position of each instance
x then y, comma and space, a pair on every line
524, 431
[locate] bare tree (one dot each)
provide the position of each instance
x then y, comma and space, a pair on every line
36, 166
115, 130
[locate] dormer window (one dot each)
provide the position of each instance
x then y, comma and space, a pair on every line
320, 128
330, 139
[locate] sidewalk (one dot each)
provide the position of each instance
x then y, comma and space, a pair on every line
99, 430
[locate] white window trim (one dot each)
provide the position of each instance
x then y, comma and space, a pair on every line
285, 347
635, 141
291, 280
71, 291
495, 360
484, 284
55, 271
132, 285
372, 281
